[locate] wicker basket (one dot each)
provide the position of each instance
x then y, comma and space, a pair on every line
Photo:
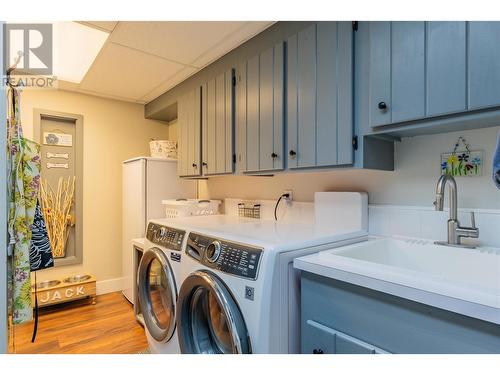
190, 207
163, 149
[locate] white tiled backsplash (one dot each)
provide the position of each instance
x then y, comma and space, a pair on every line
425, 222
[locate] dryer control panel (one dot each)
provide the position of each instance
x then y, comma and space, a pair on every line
169, 238
229, 257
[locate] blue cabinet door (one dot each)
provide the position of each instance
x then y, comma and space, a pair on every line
484, 64
320, 339
271, 68
252, 110
208, 127
379, 73
417, 70
260, 120
319, 92
397, 72
408, 70
446, 68
217, 124
189, 122
292, 94
306, 97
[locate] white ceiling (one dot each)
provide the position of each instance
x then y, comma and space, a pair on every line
142, 60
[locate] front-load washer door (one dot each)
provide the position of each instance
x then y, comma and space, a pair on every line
157, 294
208, 318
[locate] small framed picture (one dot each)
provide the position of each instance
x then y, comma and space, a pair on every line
462, 163
57, 139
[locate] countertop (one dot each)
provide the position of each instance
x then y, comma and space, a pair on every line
270, 234
457, 294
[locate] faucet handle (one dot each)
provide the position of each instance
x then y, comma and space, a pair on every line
472, 219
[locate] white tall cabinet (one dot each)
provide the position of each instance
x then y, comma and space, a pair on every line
146, 182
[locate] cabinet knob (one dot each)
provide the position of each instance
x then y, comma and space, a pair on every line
195, 165
274, 155
382, 106
317, 351
204, 164
292, 153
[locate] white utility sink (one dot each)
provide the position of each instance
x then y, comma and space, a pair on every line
462, 280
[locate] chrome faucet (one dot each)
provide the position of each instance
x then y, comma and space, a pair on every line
455, 231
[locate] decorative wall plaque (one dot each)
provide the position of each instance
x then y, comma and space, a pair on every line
58, 165
57, 139
462, 161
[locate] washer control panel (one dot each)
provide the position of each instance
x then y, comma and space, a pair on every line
229, 257
169, 238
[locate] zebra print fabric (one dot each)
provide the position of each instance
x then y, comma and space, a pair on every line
40, 251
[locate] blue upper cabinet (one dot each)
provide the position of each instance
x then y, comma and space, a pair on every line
307, 92
417, 70
320, 95
484, 64
260, 116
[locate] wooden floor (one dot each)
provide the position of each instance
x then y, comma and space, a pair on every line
106, 327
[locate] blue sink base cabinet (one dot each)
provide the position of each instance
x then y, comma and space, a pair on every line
342, 318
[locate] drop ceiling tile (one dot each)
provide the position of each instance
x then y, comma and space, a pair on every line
169, 83
75, 87
180, 41
127, 73
233, 40
101, 25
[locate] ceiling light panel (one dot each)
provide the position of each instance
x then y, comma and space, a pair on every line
75, 48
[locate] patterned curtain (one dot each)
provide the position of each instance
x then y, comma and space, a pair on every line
24, 182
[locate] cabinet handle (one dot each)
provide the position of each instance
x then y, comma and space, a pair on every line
292, 153
195, 165
204, 164
274, 155
382, 106
318, 351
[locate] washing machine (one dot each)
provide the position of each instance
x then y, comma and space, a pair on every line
240, 292
158, 278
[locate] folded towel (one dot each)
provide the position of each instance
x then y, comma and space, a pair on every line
496, 163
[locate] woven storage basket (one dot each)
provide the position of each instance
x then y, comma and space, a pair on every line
163, 149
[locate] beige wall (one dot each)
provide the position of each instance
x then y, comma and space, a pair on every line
112, 131
417, 168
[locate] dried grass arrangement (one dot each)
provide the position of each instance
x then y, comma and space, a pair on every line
56, 208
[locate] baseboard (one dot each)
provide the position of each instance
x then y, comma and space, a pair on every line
109, 286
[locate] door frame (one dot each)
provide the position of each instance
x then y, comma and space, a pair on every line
38, 115
3, 212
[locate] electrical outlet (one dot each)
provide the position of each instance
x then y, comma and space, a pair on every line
290, 193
